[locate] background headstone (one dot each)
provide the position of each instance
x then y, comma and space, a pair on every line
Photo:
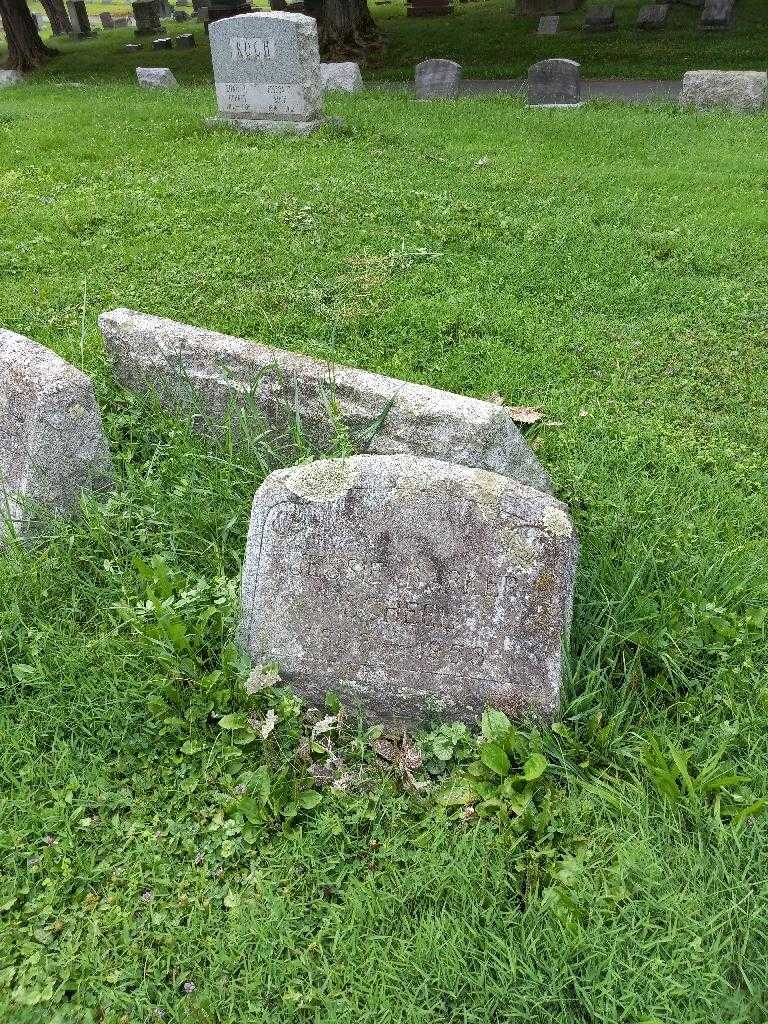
147, 18
600, 18
428, 8
716, 14
344, 77
652, 16
132, 47
52, 444
266, 69
548, 6
11, 78
554, 83
185, 41
409, 586
156, 78
738, 91
438, 79
548, 25
165, 43
106, 19
180, 16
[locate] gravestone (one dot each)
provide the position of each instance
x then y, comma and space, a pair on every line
716, 14
209, 377
266, 68
132, 47
147, 19
185, 41
52, 445
180, 16
600, 18
548, 25
438, 79
428, 8
738, 91
343, 77
408, 586
165, 43
78, 17
652, 16
163, 9
548, 6
554, 83
121, 22
106, 19
156, 78
10, 78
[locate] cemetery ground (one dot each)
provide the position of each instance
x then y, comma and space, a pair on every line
166, 855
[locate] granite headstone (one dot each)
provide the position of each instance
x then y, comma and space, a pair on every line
185, 41
342, 77
156, 78
652, 16
716, 14
600, 18
438, 79
742, 92
147, 18
549, 25
164, 43
554, 83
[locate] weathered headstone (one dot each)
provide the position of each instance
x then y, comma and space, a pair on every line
549, 25
548, 6
600, 18
156, 78
737, 91
10, 78
438, 79
343, 77
652, 16
554, 83
409, 586
716, 14
132, 47
78, 17
165, 43
147, 18
52, 445
185, 41
180, 16
106, 19
211, 377
266, 69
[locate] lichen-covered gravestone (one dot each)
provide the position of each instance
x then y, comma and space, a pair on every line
407, 585
52, 444
343, 77
742, 92
156, 78
266, 69
437, 79
652, 16
554, 83
147, 17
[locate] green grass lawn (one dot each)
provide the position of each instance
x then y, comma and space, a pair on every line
608, 267
490, 41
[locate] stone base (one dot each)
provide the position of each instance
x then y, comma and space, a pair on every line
248, 124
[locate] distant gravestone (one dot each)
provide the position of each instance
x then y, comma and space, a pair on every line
52, 444
716, 14
600, 18
163, 9
554, 83
343, 77
106, 19
652, 16
164, 43
185, 41
156, 78
548, 25
10, 78
548, 6
742, 92
78, 17
266, 69
147, 19
180, 16
409, 586
132, 47
438, 79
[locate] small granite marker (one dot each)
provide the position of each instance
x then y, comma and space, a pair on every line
716, 14
10, 78
180, 16
554, 83
738, 91
652, 16
549, 25
600, 18
147, 18
409, 586
132, 47
156, 78
438, 79
213, 378
185, 41
52, 445
342, 77
166, 43
266, 68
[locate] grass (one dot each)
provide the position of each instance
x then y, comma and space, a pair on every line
608, 268
488, 40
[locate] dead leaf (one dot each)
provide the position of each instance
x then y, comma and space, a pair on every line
269, 723
261, 679
524, 414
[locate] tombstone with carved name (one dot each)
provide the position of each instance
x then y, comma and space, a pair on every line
266, 69
437, 79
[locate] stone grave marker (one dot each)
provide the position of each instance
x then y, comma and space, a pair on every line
716, 14
185, 41
738, 91
211, 378
164, 43
106, 19
132, 47
266, 69
344, 77
548, 6
652, 16
156, 78
78, 17
438, 79
407, 586
147, 19
180, 16
554, 83
549, 25
10, 78
52, 445
600, 18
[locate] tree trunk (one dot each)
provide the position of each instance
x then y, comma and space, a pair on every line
26, 50
345, 28
58, 17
